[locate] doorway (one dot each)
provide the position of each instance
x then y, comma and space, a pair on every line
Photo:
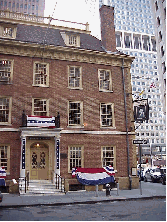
39, 161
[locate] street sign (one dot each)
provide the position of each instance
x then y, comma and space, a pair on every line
139, 141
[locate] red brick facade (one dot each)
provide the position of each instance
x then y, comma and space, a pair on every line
91, 136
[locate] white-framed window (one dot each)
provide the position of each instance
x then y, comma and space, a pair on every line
6, 71
107, 115
75, 77
5, 157
40, 107
8, 31
75, 157
71, 39
108, 156
41, 74
105, 81
75, 113
5, 110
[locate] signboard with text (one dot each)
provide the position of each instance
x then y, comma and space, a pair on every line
139, 141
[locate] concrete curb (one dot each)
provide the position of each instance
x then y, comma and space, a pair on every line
84, 202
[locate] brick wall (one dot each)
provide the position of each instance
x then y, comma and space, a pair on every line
12, 139
58, 93
92, 151
108, 28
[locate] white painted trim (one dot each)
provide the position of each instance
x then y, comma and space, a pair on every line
95, 132
9, 130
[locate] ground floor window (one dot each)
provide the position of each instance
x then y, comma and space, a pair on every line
108, 156
75, 157
5, 157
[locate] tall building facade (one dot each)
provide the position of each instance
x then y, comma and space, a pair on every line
34, 7
135, 36
159, 15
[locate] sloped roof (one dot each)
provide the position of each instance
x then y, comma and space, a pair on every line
37, 34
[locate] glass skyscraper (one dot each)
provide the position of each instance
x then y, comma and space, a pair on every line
34, 7
134, 28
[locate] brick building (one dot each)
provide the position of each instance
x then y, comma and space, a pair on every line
51, 71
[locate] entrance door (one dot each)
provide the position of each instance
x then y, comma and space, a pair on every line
39, 162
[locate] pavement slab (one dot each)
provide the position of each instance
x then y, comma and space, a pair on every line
149, 190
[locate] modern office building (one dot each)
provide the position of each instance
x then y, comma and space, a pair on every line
159, 15
135, 36
34, 7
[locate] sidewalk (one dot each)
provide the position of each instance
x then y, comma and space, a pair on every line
149, 190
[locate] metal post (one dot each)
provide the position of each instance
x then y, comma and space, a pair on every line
96, 190
126, 122
117, 189
25, 184
140, 169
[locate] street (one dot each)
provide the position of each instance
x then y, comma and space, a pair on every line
137, 210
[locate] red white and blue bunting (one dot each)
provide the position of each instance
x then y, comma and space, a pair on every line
41, 121
2, 176
2, 173
94, 176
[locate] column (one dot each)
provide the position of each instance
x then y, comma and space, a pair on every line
22, 162
57, 156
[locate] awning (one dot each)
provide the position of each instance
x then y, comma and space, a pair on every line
94, 176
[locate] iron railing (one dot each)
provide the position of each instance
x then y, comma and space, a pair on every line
24, 183
60, 183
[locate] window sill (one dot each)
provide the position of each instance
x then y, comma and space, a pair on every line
75, 88
5, 124
107, 127
45, 86
107, 91
7, 37
76, 127
5, 83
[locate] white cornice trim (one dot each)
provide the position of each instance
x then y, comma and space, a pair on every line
51, 132
96, 132
63, 53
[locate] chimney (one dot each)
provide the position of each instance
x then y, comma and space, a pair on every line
107, 28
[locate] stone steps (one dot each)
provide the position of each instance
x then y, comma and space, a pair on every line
40, 187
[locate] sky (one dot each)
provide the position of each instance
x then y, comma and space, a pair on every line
81, 11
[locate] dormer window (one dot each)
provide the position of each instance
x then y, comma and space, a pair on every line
8, 31
71, 39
